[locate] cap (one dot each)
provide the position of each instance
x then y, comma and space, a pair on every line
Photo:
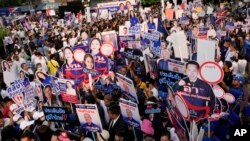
103, 136
239, 78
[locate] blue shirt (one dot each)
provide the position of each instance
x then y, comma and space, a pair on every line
151, 26
236, 92
133, 21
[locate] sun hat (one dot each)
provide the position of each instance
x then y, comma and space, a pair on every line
103, 136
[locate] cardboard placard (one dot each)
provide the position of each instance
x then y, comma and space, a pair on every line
57, 114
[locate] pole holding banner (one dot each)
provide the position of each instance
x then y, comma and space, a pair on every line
93, 134
134, 133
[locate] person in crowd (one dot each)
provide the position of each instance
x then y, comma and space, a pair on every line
133, 19
53, 65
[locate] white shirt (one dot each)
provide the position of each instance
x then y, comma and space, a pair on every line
242, 66
234, 67
229, 55
72, 42
155, 92
114, 121
70, 91
43, 63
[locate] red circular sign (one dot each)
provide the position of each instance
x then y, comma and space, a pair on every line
211, 73
107, 49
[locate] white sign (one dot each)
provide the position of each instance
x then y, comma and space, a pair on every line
205, 50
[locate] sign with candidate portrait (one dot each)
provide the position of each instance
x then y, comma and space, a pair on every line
89, 117
117, 6
124, 30
68, 90
130, 113
205, 50
127, 85
45, 80
202, 32
176, 66
123, 41
110, 37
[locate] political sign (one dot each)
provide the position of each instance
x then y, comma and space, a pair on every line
56, 114
45, 80
202, 32
123, 41
135, 29
107, 49
130, 113
176, 66
127, 85
68, 90
89, 117
80, 50
124, 30
205, 50
151, 66
133, 54
156, 48
16, 88
134, 45
169, 77
154, 36
110, 37
117, 6
175, 116
211, 73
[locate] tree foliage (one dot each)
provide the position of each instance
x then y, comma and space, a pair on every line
3, 32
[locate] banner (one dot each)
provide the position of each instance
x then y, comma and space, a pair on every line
205, 50
56, 114
68, 90
130, 113
134, 45
154, 36
116, 6
89, 117
127, 85
16, 88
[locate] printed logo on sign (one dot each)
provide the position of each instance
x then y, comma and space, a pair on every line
240, 132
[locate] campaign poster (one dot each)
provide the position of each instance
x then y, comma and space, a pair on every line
175, 116
127, 85
133, 54
135, 29
202, 32
123, 41
89, 117
71, 69
151, 66
68, 90
124, 31
195, 95
45, 80
179, 41
117, 6
169, 77
110, 37
55, 114
176, 66
154, 36
8, 73
205, 51
79, 52
134, 45
130, 113
156, 48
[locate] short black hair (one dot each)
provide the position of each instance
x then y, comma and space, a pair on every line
28, 134
193, 63
114, 108
228, 64
47, 86
166, 133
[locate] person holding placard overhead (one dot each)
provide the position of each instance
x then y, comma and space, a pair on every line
197, 94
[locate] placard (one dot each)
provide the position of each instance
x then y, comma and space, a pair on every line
130, 113
124, 31
89, 117
123, 41
218, 91
205, 50
154, 36
134, 45
56, 114
176, 66
203, 32
169, 77
127, 85
211, 73
107, 49
135, 29
134, 54
68, 90
110, 37
179, 41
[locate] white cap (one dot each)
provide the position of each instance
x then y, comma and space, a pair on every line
103, 136
26, 123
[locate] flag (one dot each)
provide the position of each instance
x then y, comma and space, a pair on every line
161, 27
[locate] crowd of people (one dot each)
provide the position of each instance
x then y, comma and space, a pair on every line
43, 52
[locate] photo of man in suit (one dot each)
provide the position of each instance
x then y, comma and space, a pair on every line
130, 120
89, 125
